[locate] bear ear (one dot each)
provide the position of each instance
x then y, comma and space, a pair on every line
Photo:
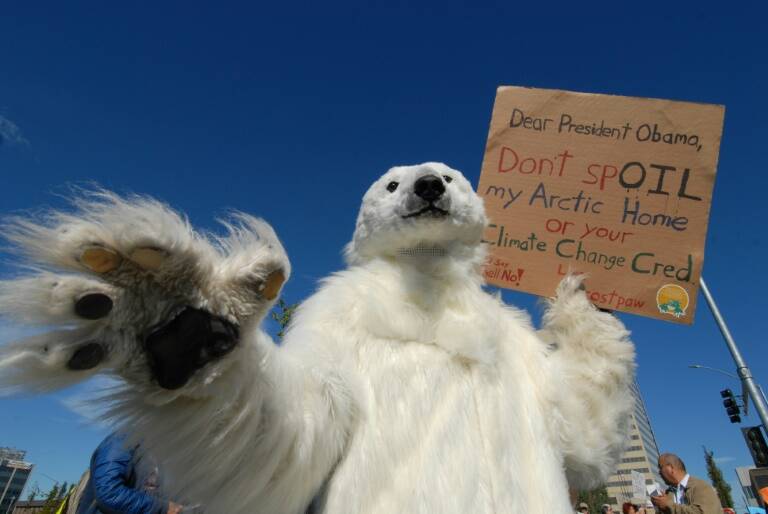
50, 361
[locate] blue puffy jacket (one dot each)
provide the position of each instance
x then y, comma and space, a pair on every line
111, 487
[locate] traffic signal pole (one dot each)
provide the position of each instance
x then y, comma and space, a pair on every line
741, 367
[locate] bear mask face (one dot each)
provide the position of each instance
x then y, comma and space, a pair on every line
428, 207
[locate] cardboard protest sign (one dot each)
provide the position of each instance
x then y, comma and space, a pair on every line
615, 187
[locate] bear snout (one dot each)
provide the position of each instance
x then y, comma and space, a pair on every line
429, 188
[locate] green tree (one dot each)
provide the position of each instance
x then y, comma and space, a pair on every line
51, 501
63, 490
284, 316
718, 482
595, 498
33, 492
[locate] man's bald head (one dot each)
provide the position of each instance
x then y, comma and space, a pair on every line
671, 468
673, 460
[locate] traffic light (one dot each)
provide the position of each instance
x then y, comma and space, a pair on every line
756, 444
731, 407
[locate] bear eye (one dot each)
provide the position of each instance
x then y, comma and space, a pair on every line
447, 178
392, 186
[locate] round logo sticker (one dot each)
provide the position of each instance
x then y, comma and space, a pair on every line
672, 299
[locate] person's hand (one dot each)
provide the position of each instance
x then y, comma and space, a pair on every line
174, 508
661, 502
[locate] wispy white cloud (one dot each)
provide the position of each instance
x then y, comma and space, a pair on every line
723, 460
10, 134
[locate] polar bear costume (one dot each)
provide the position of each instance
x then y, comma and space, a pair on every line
401, 386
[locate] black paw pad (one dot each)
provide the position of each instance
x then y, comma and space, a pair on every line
93, 306
186, 344
86, 357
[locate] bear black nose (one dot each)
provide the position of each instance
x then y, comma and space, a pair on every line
429, 187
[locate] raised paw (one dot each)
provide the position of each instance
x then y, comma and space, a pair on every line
570, 302
140, 291
571, 285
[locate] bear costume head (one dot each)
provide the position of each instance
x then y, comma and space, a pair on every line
427, 209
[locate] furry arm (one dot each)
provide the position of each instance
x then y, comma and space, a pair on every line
174, 314
591, 370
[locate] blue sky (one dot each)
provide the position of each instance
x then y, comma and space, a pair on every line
289, 112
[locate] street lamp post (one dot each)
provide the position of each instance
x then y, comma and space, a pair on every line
744, 394
748, 383
700, 366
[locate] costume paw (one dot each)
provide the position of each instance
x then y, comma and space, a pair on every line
570, 286
570, 307
140, 292
570, 296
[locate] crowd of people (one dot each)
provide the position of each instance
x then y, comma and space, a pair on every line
113, 484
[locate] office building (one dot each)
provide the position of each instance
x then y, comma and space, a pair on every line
14, 473
640, 455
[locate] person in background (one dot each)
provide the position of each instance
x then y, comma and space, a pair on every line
606, 509
686, 494
632, 508
112, 486
583, 508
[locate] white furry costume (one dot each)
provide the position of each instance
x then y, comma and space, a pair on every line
401, 387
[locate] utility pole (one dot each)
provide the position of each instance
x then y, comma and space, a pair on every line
741, 366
